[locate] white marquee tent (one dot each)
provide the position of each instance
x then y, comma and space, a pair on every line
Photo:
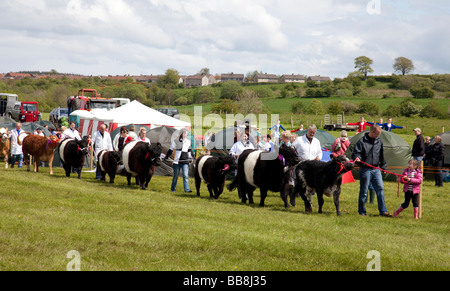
132, 113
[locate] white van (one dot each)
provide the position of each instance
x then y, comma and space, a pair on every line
7, 102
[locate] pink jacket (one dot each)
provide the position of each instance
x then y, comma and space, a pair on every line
416, 181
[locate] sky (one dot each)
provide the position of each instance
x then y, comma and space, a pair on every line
143, 37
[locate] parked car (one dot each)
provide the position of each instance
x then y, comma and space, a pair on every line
172, 112
57, 113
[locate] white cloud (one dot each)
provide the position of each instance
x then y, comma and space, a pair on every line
274, 36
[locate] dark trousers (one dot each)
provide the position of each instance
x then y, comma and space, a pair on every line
438, 176
410, 196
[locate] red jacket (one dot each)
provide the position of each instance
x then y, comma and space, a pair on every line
361, 127
416, 181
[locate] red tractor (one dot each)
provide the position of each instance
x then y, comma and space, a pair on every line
25, 111
88, 99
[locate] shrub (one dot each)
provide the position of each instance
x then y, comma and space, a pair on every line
432, 109
371, 82
423, 92
316, 107
344, 93
393, 111
409, 109
369, 108
334, 107
225, 106
181, 101
264, 92
348, 108
298, 107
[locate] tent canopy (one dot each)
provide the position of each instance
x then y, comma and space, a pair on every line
326, 139
446, 141
131, 113
397, 152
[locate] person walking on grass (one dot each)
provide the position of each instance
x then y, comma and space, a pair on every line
183, 157
412, 178
368, 152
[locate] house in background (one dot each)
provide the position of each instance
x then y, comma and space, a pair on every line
292, 79
232, 77
265, 78
319, 78
17, 76
199, 80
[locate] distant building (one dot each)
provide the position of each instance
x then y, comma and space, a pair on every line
319, 78
265, 78
232, 77
199, 80
292, 79
17, 76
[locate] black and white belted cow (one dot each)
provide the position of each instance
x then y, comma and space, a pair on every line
140, 160
266, 171
213, 170
72, 153
109, 162
321, 177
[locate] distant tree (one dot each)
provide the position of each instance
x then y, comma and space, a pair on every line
248, 102
231, 89
403, 65
363, 63
170, 78
204, 71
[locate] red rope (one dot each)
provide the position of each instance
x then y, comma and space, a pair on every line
398, 175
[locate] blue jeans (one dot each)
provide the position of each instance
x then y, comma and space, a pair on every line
371, 176
176, 173
14, 159
419, 158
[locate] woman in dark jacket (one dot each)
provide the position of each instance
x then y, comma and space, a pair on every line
435, 153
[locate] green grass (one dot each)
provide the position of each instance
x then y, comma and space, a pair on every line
116, 227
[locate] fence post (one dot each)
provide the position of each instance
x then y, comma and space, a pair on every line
420, 192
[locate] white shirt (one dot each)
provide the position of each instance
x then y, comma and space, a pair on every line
69, 133
144, 140
306, 150
16, 149
101, 142
182, 154
239, 147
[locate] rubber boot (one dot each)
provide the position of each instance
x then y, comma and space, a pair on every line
397, 212
416, 212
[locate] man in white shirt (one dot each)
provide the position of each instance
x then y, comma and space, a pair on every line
307, 146
16, 149
71, 132
102, 141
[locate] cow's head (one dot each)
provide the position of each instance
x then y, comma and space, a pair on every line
289, 155
154, 153
3, 134
345, 165
226, 164
53, 140
83, 145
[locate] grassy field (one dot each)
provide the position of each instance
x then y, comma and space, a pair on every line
116, 227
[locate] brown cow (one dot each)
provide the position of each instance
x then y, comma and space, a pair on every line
5, 145
41, 148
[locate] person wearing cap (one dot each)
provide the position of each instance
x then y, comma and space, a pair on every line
418, 149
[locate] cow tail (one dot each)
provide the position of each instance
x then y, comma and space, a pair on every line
233, 184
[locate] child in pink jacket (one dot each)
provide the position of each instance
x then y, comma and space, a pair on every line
412, 178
